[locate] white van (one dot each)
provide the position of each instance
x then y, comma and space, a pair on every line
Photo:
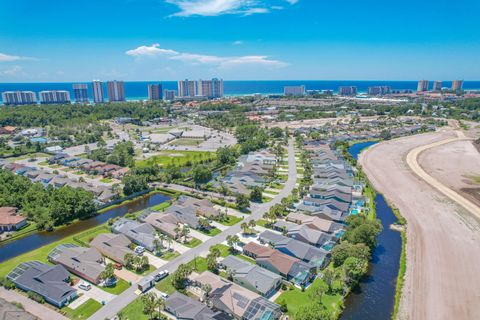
85, 286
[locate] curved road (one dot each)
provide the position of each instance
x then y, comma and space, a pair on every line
443, 238
122, 300
412, 161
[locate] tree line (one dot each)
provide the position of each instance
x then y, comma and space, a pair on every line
47, 207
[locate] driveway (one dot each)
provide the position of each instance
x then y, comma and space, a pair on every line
154, 260
257, 211
95, 293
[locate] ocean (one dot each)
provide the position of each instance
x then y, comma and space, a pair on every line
137, 90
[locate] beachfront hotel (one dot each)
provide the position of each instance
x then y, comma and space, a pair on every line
54, 97
155, 92
169, 95
116, 91
80, 92
347, 91
437, 86
19, 97
210, 88
294, 90
422, 86
187, 88
457, 85
97, 87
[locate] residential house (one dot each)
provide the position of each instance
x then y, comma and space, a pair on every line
252, 277
142, 234
292, 269
186, 308
113, 246
233, 299
87, 263
11, 220
11, 311
305, 252
203, 207
315, 222
305, 234
50, 282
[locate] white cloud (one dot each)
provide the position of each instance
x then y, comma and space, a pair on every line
237, 43
152, 50
9, 58
12, 71
219, 7
202, 59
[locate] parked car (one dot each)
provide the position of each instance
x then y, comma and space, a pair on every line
85, 286
161, 275
139, 250
118, 266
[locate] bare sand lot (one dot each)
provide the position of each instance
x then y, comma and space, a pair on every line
457, 166
443, 239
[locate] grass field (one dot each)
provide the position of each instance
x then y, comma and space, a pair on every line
230, 221
84, 311
224, 250
119, 287
186, 142
134, 310
170, 255
261, 223
178, 158
194, 242
199, 264
161, 206
165, 286
106, 180
212, 232
295, 299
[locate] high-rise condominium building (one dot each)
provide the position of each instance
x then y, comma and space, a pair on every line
347, 91
379, 90
437, 86
155, 92
187, 88
116, 91
210, 88
54, 96
457, 85
169, 95
97, 88
294, 90
16, 98
80, 92
422, 86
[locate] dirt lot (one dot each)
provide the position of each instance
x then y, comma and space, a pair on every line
457, 166
443, 240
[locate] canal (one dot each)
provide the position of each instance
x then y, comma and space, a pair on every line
36, 240
374, 297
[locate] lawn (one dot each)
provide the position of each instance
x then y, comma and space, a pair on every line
106, 180
248, 259
224, 250
194, 242
295, 298
144, 272
178, 158
161, 206
165, 286
261, 223
212, 232
119, 287
41, 254
170, 255
134, 311
86, 237
270, 192
199, 264
186, 142
230, 221
84, 311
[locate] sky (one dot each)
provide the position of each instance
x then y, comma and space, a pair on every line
135, 40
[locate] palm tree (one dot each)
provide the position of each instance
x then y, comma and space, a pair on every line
149, 304
160, 306
244, 227
252, 224
170, 242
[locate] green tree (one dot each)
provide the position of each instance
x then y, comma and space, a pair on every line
242, 202
345, 249
201, 174
256, 194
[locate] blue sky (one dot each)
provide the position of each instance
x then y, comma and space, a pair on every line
55, 40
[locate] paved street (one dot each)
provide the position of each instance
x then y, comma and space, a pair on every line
122, 300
